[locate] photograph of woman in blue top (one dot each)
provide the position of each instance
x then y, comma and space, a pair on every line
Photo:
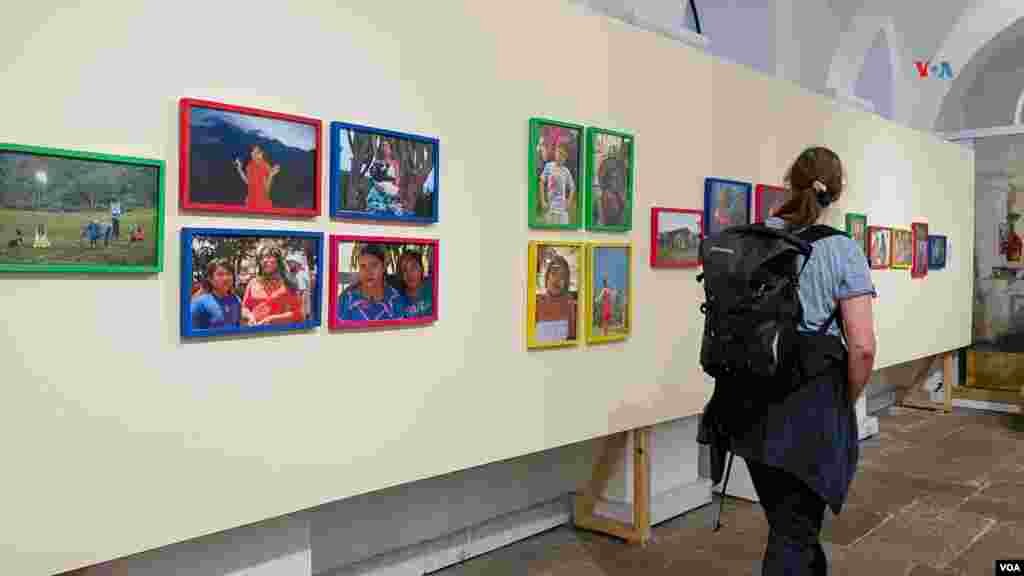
371, 298
417, 289
217, 306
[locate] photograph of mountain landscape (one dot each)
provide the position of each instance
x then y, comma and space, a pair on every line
249, 161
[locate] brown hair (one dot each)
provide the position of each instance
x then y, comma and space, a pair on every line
560, 265
804, 203
211, 268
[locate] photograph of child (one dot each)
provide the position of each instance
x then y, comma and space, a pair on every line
381, 281
727, 204
383, 175
768, 200
611, 181
881, 246
557, 173
857, 229
556, 291
903, 248
249, 162
249, 281
610, 292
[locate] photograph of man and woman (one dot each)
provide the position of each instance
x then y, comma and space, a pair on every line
243, 160
246, 282
385, 281
555, 184
383, 175
554, 291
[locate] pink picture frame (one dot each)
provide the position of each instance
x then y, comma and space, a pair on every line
679, 240
349, 308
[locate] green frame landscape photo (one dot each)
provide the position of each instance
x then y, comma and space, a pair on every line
535, 219
70, 211
622, 174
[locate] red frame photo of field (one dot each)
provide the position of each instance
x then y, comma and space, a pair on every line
249, 161
395, 308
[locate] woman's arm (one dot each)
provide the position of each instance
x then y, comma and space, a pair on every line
247, 317
859, 325
241, 173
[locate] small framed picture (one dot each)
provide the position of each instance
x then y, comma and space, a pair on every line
248, 161
856, 228
555, 174
609, 309
79, 212
609, 183
675, 237
879, 247
936, 252
768, 199
383, 175
726, 204
902, 249
553, 294
919, 264
382, 281
243, 281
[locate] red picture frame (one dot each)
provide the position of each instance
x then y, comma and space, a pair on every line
919, 264
759, 200
872, 247
656, 240
334, 277
186, 107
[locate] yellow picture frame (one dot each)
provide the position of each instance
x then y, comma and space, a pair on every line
542, 339
593, 333
899, 236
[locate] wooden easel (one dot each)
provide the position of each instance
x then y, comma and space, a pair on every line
947, 387
584, 503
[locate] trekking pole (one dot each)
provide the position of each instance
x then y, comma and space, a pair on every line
721, 497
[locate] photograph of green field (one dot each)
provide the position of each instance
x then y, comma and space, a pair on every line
71, 211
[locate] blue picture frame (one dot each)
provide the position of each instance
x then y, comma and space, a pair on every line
338, 181
313, 320
936, 260
711, 186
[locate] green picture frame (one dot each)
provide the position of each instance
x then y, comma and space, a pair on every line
622, 168
538, 216
25, 240
858, 233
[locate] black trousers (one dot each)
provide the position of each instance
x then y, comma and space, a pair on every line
795, 513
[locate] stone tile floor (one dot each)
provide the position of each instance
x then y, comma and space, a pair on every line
935, 494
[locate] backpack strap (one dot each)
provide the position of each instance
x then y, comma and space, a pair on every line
812, 234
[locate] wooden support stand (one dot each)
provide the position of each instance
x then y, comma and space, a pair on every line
584, 504
948, 381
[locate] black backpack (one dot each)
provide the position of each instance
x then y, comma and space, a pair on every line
752, 307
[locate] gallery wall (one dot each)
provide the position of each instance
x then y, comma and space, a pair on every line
119, 436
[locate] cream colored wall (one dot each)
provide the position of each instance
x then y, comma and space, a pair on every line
119, 437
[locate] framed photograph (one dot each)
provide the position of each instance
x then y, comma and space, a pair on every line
902, 249
675, 237
553, 294
856, 228
248, 161
609, 310
79, 212
936, 252
879, 247
383, 175
919, 261
249, 281
726, 204
610, 180
556, 174
768, 199
382, 281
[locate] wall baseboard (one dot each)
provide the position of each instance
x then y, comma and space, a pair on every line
463, 545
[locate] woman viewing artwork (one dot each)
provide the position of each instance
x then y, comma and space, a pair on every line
799, 439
